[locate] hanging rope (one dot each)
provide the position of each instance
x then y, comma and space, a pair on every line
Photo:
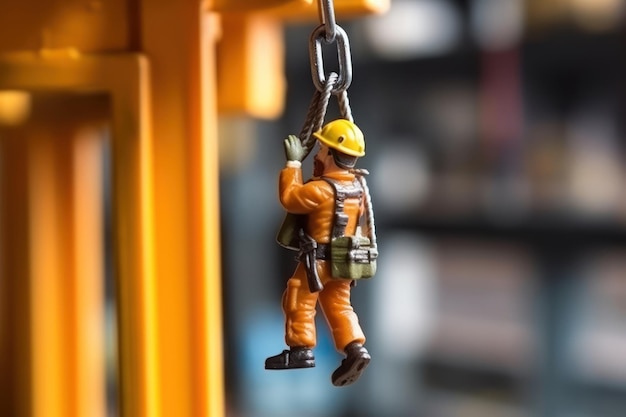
344, 106
369, 210
316, 113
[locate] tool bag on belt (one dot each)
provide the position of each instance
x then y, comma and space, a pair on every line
351, 257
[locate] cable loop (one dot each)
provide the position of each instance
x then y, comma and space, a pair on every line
316, 113
317, 60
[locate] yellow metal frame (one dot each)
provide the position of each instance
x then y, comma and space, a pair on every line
125, 79
158, 64
170, 321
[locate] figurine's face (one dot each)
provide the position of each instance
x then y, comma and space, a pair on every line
323, 160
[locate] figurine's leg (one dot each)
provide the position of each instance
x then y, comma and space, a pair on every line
347, 333
299, 309
341, 318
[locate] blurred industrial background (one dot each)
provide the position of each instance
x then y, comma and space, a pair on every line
495, 141
495, 135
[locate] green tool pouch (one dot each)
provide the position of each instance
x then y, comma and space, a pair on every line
288, 233
353, 257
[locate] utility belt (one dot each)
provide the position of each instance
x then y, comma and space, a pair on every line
322, 252
360, 252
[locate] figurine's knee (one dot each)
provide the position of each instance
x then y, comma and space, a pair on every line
290, 296
299, 309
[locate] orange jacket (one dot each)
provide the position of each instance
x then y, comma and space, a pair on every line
316, 199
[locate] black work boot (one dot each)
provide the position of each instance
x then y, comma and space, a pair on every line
296, 357
351, 368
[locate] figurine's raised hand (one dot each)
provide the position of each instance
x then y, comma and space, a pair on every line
294, 151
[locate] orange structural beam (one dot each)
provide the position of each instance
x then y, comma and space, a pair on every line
251, 50
56, 306
67, 270
251, 66
15, 301
185, 172
52, 260
298, 9
87, 26
148, 72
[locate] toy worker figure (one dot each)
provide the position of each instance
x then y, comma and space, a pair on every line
341, 144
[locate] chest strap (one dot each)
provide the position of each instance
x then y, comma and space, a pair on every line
343, 191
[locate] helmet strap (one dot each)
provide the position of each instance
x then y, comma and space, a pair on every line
343, 160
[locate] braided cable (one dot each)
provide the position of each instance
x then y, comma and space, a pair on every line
324, 99
316, 113
344, 106
305, 133
369, 210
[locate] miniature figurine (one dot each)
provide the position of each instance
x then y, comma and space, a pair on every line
325, 215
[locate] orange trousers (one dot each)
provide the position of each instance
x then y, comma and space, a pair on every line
299, 309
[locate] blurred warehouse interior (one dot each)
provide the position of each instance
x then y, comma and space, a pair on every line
495, 141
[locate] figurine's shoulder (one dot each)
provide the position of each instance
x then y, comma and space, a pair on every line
320, 184
345, 186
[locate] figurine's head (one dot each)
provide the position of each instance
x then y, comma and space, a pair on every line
345, 141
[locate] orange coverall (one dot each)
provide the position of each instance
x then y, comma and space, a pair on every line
316, 199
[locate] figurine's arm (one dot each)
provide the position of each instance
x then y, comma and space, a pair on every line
297, 197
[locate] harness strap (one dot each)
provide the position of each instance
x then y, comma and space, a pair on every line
322, 251
343, 192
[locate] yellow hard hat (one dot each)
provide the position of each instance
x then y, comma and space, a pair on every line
344, 136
